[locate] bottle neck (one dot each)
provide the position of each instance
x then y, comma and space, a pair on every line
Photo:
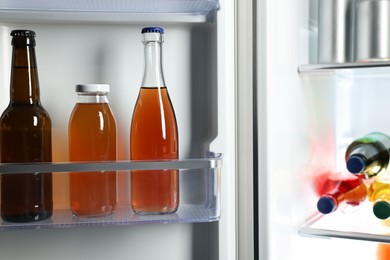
153, 73
24, 75
92, 98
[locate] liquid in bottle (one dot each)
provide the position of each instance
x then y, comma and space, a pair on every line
25, 137
379, 194
92, 137
154, 135
348, 189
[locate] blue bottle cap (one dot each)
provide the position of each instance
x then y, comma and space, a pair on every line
152, 30
326, 205
355, 164
382, 209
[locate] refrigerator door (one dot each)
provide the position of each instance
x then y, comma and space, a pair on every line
104, 46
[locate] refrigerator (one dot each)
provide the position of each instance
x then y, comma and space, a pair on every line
258, 117
309, 109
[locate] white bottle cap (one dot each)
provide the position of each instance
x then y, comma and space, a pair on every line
103, 88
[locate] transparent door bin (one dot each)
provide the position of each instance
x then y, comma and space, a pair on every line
200, 181
344, 102
347, 100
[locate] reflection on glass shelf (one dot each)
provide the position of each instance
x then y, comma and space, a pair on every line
338, 66
121, 216
200, 187
360, 225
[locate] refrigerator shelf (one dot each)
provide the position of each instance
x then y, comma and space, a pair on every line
359, 225
310, 68
183, 164
121, 6
121, 216
101, 10
199, 192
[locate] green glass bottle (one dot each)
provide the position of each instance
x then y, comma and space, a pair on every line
368, 155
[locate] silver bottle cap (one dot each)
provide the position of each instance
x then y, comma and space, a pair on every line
101, 88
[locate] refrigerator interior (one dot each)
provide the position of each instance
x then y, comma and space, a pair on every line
102, 44
307, 116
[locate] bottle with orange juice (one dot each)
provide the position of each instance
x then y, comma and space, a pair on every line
379, 194
92, 137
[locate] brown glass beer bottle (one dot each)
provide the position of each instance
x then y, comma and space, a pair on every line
154, 135
25, 137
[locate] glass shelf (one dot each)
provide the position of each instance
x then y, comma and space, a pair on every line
199, 192
184, 164
121, 216
309, 68
117, 6
359, 225
103, 10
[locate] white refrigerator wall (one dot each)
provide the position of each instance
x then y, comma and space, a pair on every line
286, 38
199, 71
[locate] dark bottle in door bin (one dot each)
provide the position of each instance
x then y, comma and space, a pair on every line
25, 137
154, 135
368, 155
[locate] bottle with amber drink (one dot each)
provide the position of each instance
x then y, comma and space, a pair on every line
92, 137
154, 135
379, 195
25, 137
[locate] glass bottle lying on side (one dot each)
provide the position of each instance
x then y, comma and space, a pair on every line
379, 194
368, 155
337, 188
